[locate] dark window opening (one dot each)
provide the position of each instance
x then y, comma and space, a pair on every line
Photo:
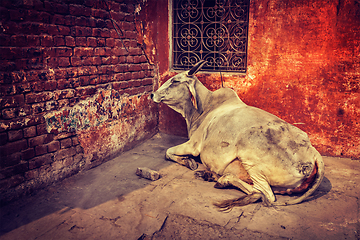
211, 30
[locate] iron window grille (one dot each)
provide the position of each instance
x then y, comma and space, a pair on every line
211, 30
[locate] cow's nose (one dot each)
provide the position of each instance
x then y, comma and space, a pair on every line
151, 95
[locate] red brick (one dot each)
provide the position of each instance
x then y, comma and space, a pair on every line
88, 70
65, 143
75, 141
61, 8
81, 41
135, 83
118, 16
100, 23
30, 132
81, 31
38, 108
37, 86
11, 182
10, 160
79, 149
119, 76
127, 76
92, 60
61, 94
94, 79
40, 150
120, 85
63, 51
58, 19
91, 42
84, 80
63, 84
38, 97
18, 40
100, 13
101, 42
14, 170
82, 21
69, 20
105, 78
39, 140
63, 30
134, 67
106, 69
53, 146
149, 88
70, 41
50, 85
64, 153
121, 68
52, 30
106, 60
64, 135
12, 101
76, 61
79, 10
32, 40
85, 91
130, 59
9, 113
147, 81
13, 147
63, 61
15, 135
46, 41
41, 161
83, 51
41, 129
3, 138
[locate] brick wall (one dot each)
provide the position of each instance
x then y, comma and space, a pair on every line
60, 57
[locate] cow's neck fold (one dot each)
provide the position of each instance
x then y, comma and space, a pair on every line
191, 113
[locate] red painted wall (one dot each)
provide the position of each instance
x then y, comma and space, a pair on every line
303, 66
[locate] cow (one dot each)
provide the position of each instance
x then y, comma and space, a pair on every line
240, 145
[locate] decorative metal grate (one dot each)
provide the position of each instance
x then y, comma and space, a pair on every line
211, 30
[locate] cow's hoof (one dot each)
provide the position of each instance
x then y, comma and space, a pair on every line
205, 175
219, 185
190, 163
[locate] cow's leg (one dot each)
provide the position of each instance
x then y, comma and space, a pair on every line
207, 175
230, 179
252, 196
181, 154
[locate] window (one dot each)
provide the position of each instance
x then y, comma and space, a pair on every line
212, 30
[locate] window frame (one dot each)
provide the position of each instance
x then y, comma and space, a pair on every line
171, 42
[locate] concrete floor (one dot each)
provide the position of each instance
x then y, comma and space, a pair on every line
111, 202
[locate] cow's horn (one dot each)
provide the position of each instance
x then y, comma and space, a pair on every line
196, 67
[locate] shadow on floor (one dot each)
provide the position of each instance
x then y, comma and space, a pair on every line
88, 189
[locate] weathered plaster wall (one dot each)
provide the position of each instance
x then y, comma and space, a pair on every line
303, 66
72, 92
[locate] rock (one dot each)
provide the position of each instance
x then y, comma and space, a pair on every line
147, 173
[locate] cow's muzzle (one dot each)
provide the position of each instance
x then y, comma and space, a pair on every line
155, 97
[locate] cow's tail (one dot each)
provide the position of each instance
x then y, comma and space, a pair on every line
317, 181
227, 205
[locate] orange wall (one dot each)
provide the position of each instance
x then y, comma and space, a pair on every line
303, 66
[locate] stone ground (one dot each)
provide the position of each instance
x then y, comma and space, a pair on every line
111, 202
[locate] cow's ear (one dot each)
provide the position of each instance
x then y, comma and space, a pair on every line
196, 68
191, 85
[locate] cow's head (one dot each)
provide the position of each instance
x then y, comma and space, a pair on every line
179, 90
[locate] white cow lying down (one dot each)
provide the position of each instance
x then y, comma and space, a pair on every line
240, 145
